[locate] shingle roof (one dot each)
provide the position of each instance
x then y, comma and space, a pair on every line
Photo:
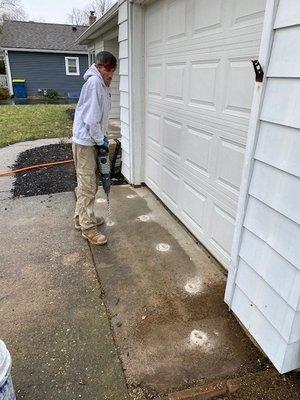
41, 36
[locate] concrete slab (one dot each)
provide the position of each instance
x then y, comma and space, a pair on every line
52, 319
165, 297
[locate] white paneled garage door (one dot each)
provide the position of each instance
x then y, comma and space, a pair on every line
199, 87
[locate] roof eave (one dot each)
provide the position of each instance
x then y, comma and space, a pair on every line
86, 37
3, 48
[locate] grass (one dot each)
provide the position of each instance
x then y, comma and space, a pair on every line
19, 123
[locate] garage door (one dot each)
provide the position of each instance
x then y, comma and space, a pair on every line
199, 88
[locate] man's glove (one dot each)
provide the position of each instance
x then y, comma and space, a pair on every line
105, 144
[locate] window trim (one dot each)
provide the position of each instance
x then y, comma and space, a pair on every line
77, 73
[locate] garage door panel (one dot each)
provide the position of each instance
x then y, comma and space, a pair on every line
155, 24
172, 131
174, 84
153, 127
203, 84
221, 229
239, 88
155, 80
229, 165
199, 86
247, 13
197, 149
170, 185
153, 171
207, 22
176, 17
194, 204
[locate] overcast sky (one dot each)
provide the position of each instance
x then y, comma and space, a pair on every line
55, 11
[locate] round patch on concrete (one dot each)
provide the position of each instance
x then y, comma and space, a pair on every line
100, 200
163, 247
198, 338
194, 285
131, 196
143, 218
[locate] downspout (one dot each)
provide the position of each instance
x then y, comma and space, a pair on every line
8, 72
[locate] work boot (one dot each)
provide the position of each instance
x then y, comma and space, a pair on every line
100, 221
94, 237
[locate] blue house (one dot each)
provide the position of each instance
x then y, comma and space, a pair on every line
45, 55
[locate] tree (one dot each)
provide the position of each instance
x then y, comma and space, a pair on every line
100, 6
11, 10
78, 17
81, 16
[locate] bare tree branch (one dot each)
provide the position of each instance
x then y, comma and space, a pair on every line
81, 16
11, 10
100, 6
78, 17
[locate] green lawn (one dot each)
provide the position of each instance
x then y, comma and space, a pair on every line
29, 122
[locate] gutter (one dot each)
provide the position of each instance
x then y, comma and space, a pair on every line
108, 16
142, 2
44, 50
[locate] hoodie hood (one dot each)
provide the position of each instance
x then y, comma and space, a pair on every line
92, 71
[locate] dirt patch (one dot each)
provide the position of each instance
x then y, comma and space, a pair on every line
55, 179
263, 385
48, 180
268, 387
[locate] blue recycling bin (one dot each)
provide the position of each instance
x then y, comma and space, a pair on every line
19, 88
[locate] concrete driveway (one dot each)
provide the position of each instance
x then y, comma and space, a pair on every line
142, 317
165, 298
53, 319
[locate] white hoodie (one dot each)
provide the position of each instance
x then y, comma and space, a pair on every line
92, 110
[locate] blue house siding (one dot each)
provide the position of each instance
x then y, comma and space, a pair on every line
46, 71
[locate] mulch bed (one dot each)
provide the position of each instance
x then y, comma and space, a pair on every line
45, 180
48, 180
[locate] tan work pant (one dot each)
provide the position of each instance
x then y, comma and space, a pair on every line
85, 160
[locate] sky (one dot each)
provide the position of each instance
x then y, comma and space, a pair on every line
55, 11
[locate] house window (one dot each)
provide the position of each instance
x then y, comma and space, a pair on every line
72, 65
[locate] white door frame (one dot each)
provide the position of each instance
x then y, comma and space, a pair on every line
252, 137
136, 29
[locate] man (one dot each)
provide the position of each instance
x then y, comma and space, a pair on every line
89, 133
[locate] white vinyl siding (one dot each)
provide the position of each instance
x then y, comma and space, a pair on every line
72, 66
113, 47
124, 87
266, 294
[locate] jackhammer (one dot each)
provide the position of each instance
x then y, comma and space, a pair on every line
104, 169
